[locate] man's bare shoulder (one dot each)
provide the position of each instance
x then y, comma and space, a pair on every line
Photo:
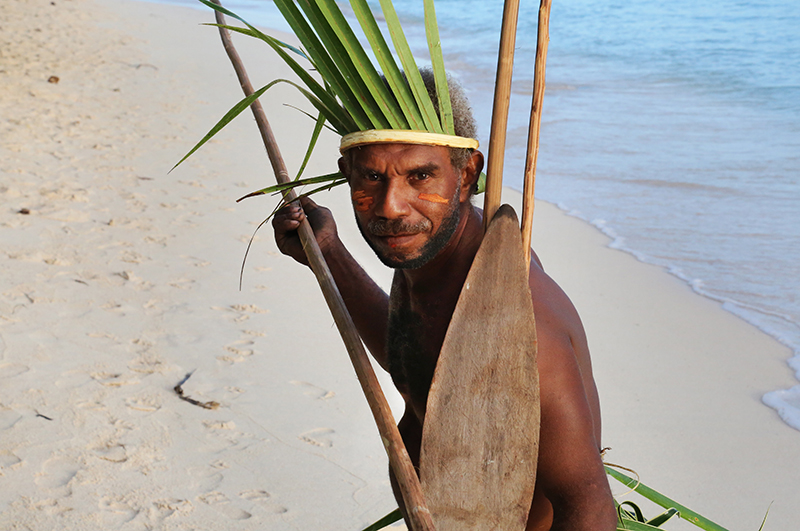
553, 308
563, 347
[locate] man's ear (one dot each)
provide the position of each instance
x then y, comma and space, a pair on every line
344, 169
470, 173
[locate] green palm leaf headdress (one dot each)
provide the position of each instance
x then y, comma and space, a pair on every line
353, 99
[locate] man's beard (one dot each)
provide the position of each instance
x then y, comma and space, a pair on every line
389, 227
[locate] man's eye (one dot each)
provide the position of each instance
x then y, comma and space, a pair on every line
422, 176
372, 177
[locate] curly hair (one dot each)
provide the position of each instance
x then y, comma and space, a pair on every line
463, 121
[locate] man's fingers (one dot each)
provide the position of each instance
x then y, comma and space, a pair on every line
290, 211
308, 204
288, 218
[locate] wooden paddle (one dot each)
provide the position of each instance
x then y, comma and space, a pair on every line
392, 441
480, 438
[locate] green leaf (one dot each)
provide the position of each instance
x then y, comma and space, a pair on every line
667, 503
481, 184
282, 187
351, 115
325, 63
764, 521
334, 113
325, 15
387, 520
251, 33
225, 120
298, 109
439, 73
246, 102
413, 76
633, 525
663, 517
387, 63
636, 514
313, 142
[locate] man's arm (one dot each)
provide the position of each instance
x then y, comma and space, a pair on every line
367, 303
570, 473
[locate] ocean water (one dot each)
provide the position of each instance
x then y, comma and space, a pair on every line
674, 127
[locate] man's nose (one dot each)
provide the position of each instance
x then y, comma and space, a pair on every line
393, 203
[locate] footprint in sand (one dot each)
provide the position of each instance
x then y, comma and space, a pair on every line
264, 500
115, 511
204, 479
8, 459
56, 472
147, 403
116, 453
238, 351
148, 363
241, 311
166, 507
313, 391
110, 379
221, 503
8, 418
321, 437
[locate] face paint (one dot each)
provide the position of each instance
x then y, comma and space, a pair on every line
362, 200
433, 198
388, 227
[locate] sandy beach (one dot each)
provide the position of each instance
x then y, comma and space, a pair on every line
119, 280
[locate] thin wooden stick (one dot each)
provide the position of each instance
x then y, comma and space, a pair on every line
502, 94
392, 441
528, 191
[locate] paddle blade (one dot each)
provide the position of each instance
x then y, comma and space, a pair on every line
480, 438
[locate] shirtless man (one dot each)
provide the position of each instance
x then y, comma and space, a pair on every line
412, 205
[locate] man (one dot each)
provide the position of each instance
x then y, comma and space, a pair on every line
412, 205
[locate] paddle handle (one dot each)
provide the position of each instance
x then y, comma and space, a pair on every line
392, 441
542, 41
502, 95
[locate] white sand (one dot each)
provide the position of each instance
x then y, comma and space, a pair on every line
121, 279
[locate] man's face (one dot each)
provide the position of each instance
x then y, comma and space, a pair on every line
407, 200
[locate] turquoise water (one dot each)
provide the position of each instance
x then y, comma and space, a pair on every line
674, 127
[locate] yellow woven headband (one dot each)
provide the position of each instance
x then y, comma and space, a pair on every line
401, 136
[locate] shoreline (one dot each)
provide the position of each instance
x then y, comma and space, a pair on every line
783, 400
122, 279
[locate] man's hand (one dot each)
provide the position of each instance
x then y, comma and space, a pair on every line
288, 219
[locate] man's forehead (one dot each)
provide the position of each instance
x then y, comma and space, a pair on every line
399, 155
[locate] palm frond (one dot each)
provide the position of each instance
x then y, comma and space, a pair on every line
439, 73
656, 497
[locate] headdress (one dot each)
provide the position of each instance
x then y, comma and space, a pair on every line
354, 99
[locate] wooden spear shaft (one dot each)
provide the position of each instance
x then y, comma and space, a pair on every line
502, 94
392, 441
533, 129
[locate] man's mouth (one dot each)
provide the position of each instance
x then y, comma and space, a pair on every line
398, 240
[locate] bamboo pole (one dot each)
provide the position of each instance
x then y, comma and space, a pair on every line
528, 191
502, 93
392, 441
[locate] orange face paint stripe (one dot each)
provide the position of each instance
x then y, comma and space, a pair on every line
362, 205
433, 198
362, 200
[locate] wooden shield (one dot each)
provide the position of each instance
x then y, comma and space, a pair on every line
481, 433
